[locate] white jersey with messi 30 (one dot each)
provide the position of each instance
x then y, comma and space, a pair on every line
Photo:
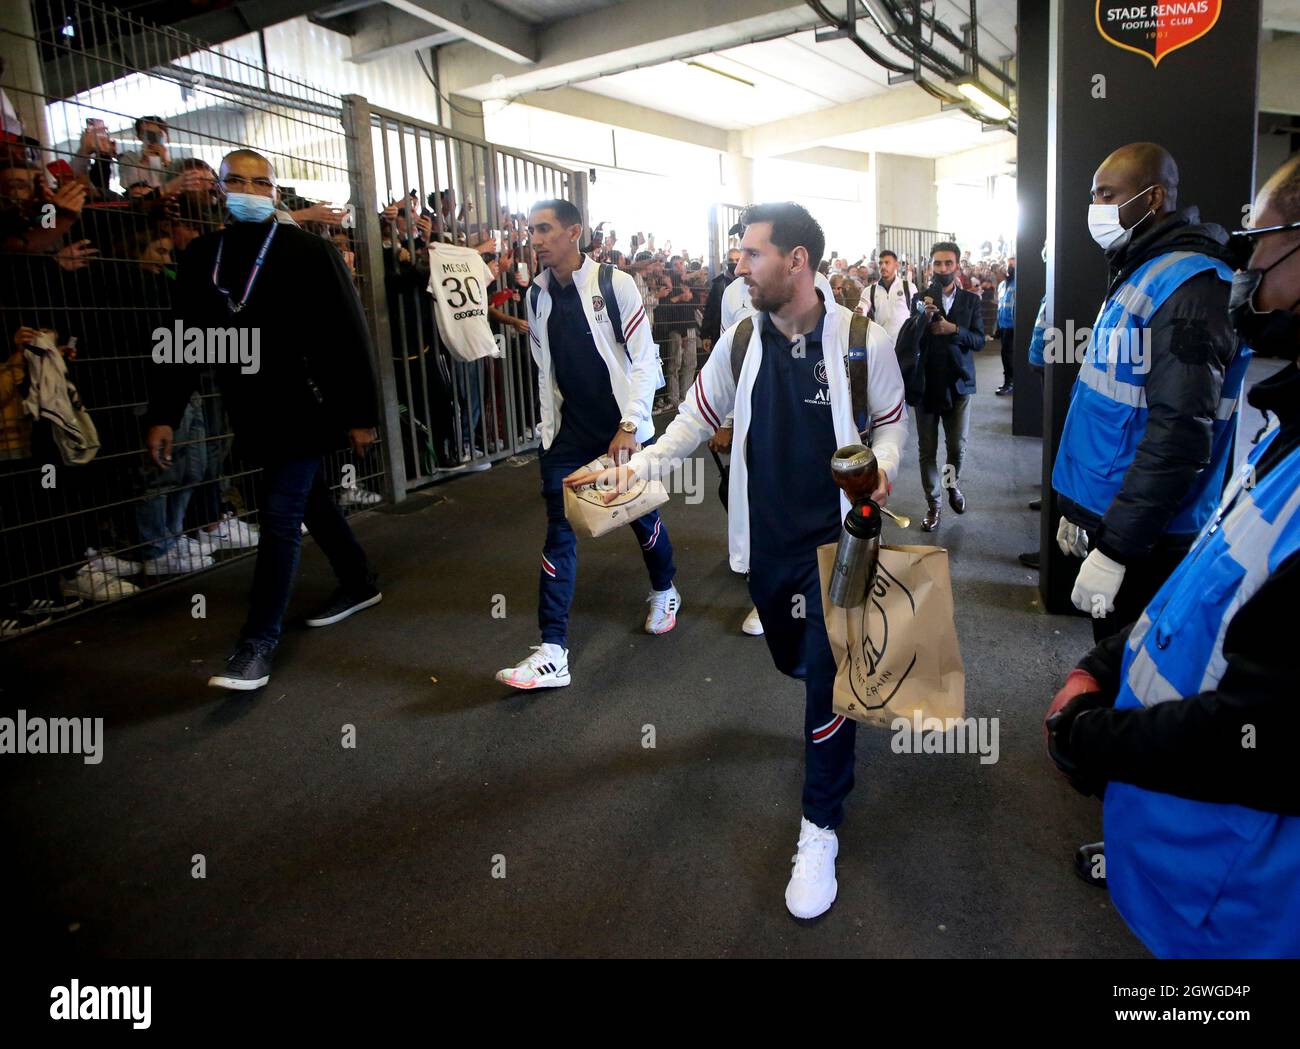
460, 284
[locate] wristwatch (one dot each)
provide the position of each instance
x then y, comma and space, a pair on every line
627, 426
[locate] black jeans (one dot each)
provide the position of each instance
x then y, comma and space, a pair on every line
1008, 339
293, 493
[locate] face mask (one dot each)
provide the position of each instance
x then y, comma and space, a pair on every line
1275, 333
249, 207
731, 269
1105, 226
944, 280
1011, 273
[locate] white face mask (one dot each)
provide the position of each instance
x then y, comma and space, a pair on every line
1105, 226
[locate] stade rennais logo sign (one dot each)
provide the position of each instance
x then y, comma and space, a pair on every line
1156, 29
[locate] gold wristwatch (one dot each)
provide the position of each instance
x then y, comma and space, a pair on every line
627, 426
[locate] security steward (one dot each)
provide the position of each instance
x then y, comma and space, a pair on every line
1186, 722
1149, 430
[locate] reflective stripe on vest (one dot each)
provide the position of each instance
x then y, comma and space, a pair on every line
1191, 877
1007, 307
1108, 405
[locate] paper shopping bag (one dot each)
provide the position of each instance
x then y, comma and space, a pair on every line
896, 654
586, 510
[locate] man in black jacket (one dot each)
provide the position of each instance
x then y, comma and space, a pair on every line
308, 387
946, 380
711, 324
1185, 721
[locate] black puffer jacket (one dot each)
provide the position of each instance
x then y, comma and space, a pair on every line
1192, 343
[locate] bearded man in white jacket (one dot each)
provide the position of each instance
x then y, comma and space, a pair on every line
793, 407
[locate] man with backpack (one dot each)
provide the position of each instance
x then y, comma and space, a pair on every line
803, 377
598, 369
888, 302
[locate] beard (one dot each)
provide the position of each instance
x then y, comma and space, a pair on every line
771, 299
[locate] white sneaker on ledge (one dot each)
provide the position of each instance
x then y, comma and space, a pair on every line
110, 565
91, 585
664, 606
230, 534
182, 555
547, 667
812, 887
753, 626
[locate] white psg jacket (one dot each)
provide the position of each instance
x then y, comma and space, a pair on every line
736, 304
634, 369
893, 307
715, 393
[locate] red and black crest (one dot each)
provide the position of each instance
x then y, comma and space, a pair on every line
1156, 29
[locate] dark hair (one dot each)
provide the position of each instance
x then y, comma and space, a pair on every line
792, 227
946, 245
891, 254
565, 212
140, 123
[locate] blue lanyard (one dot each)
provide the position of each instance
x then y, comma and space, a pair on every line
235, 307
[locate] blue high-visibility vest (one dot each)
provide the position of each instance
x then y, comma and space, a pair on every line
1039, 339
1108, 405
1007, 304
1195, 878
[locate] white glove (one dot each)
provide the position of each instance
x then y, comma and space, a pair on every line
1072, 539
1097, 584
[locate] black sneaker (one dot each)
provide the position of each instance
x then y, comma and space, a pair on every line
343, 604
248, 669
1030, 559
1090, 864
1005, 389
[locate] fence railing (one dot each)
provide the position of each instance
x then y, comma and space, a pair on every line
912, 244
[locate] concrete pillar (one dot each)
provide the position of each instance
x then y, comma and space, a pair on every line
904, 191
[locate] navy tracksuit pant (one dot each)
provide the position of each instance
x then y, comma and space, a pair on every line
560, 554
800, 648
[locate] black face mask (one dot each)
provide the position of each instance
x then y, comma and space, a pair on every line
1011, 273
944, 280
731, 269
1275, 333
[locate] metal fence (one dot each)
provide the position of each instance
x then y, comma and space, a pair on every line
97, 206
911, 244
722, 217
424, 185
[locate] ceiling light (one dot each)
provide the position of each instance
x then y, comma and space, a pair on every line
719, 72
982, 99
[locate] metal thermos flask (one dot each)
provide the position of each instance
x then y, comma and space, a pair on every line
856, 556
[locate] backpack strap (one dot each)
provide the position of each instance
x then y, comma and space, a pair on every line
534, 293
605, 278
739, 344
856, 362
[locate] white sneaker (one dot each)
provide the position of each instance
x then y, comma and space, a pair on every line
181, 556
547, 667
664, 606
812, 885
110, 565
230, 534
753, 626
90, 585
359, 496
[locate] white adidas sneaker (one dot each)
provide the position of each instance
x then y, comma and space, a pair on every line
547, 667
664, 606
812, 887
753, 626
110, 565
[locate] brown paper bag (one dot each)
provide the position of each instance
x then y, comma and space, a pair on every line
586, 510
896, 655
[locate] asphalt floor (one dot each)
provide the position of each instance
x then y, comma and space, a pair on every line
473, 820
